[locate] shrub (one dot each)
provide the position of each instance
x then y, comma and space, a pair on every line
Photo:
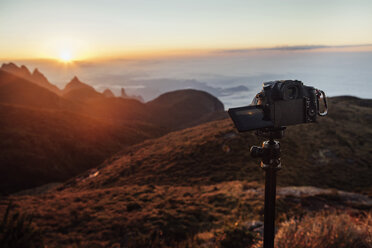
326, 230
237, 237
17, 230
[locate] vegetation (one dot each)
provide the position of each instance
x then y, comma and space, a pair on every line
48, 137
43, 146
17, 230
333, 153
326, 230
197, 187
237, 236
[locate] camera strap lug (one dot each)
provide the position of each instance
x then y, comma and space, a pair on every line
320, 93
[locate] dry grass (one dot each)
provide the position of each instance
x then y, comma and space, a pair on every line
333, 153
159, 216
189, 188
323, 230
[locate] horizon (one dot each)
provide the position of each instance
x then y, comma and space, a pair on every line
232, 76
150, 48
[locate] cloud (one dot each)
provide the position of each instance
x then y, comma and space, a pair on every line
290, 48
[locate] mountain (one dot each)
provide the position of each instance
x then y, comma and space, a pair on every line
108, 93
173, 108
40, 146
19, 91
46, 137
332, 153
123, 94
199, 187
36, 77
79, 91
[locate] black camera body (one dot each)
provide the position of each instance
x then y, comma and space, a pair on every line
279, 104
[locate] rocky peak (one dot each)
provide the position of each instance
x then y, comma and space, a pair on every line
123, 93
36, 72
37, 75
18, 71
76, 83
10, 67
76, 88
75, 80
24, 71
126, 96
108, 93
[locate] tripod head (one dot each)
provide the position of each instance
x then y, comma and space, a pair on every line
269, 152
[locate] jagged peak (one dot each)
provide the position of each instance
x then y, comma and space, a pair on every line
25, 70
9, 65
22, 71
38, 76
123, 93
75, 83
75, 79
36, 72
108, 93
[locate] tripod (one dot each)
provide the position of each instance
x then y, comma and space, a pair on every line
269, 153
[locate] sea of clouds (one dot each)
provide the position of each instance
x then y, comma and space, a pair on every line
234, 76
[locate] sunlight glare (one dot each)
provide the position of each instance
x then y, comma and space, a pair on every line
65, 56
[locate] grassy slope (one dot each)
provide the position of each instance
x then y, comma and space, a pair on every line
41, 146
335, 152
199, 180
45, 137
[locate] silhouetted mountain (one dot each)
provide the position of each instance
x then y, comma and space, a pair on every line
47, 137
108, 93
179, 107
36, 77
41, 80
40, 146
18, 90
79, 91
123, 94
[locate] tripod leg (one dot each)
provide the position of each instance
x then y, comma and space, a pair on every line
269, 211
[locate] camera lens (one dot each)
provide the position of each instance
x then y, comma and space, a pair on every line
290, 93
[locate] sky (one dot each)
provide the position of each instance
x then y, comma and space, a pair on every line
88, 30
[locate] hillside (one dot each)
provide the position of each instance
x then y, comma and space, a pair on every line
19, 91
36, 76
173, 108
43, 146
197, 186
48, 137
335, 152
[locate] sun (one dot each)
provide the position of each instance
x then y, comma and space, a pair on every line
65, 56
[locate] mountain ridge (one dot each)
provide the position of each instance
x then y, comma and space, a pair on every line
24, 103
36, 77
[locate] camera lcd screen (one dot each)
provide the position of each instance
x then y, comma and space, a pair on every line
249, 118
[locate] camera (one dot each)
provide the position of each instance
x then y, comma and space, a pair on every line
279, 104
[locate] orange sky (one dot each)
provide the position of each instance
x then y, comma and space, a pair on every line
81, 29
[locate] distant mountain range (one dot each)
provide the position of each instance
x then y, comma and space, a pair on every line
74, 85
36, 77
48, 134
